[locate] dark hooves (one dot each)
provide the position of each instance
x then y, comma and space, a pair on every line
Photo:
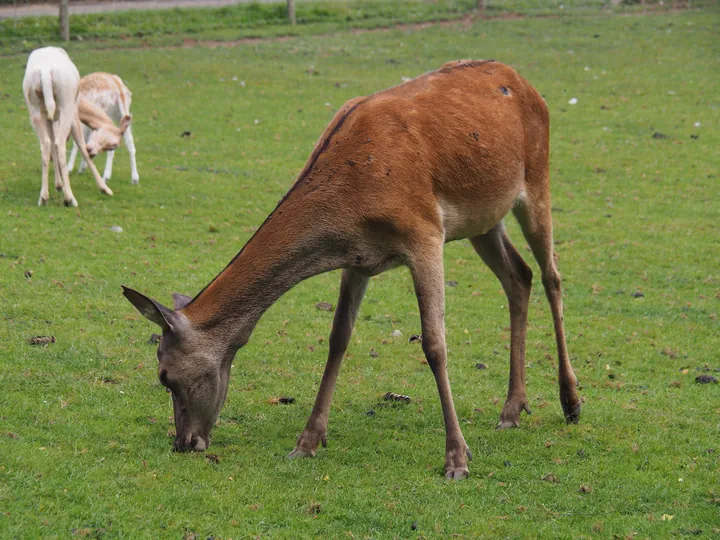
573, 416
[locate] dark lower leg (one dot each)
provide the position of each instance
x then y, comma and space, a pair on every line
566, 377
352, 290
429, 288
502, 258
537, 228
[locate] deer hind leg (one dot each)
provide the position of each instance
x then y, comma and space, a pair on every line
533, 213
352, 290
515, 275
58, 175
43, 129
61, 130
427, 271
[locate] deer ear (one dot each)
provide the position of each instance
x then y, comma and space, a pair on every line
151, 309
180, 301
125, 123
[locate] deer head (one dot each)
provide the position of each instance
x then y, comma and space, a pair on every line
105, 136
192, 365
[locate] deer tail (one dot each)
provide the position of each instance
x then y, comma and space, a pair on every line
47, 90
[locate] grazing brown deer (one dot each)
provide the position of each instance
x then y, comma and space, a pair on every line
394, 177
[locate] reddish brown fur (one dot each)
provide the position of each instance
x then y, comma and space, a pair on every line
393, 177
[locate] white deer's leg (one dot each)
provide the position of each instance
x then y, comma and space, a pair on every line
61, 130
86, 135
108, 165
43, 131
130, 144
352, 290
427, 270
58, 175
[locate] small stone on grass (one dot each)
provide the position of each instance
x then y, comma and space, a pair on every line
324, 306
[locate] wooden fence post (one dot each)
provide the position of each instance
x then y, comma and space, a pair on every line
291, 11
64, 21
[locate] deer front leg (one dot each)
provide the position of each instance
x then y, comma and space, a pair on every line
130, 145
427, 272
77, 135
83, 164
107, 173
352, 290
515, 275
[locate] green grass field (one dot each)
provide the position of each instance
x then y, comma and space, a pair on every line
84, 423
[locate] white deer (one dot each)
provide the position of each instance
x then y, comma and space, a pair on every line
110, 94
51, 88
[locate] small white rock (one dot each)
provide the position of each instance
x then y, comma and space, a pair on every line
256, 121
116, 228
396, 333
573, 101
671, 92
234, 78
697, 124
406, 79
606, 128
242, 83
587, 68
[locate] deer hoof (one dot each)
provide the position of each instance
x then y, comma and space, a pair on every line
572, 414
457, 474
301, 453
107, 191
71, 202
510, 415
456, 463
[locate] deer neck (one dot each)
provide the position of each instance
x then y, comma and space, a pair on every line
91, 115
297, 241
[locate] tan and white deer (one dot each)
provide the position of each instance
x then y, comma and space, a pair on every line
111, 96
394, 177
50, 88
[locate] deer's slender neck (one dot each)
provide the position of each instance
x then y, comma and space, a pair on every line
293, 244
91, 115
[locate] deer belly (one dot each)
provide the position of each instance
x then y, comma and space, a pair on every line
468, 219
